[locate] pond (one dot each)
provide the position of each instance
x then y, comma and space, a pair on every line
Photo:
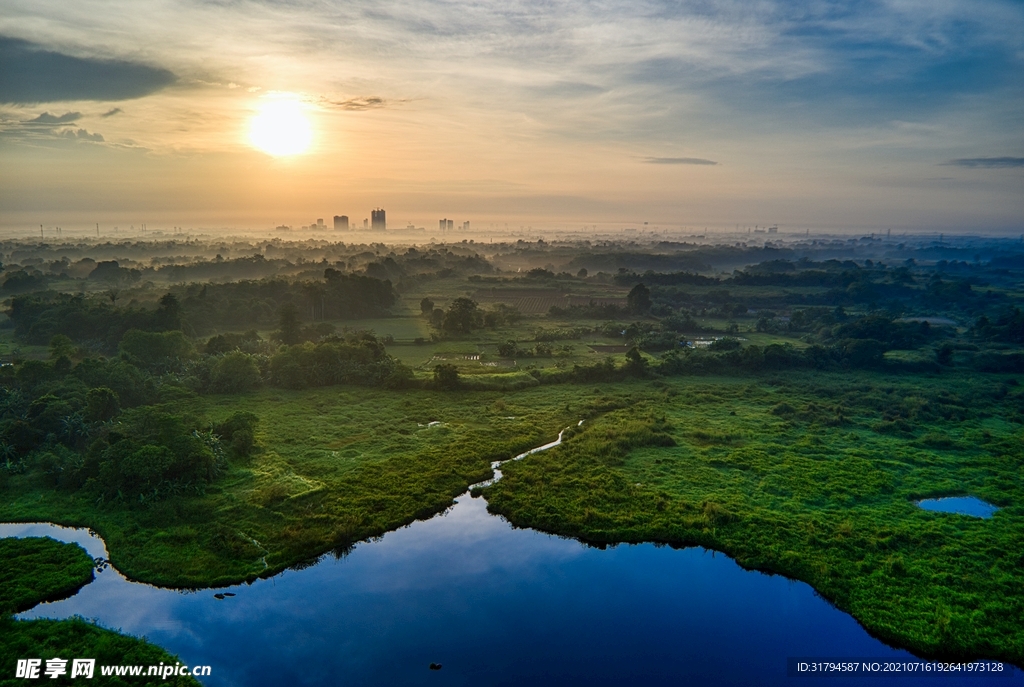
964, 505
494, 605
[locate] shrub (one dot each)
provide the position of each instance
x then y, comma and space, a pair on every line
446, 376
239, 432
234, 373
782, 409
157, 351
101, 404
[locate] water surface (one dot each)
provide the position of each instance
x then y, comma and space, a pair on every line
494, 605
965, 505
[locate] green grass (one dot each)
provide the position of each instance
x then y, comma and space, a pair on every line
823, 493
337, 465
78, 638
808, 475
404, 329
37, 569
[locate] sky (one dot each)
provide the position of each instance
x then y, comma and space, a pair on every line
861, 115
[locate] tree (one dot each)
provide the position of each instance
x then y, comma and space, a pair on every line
944, 354
168, 315
61, 346
234, 373
509, 349
101, 404
461, 317
157, 351
239, 432
639, 300
426, 306
289, 330
446, 376
635, 361
582, 274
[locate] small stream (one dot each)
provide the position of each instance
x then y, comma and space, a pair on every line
495, 605
496, 465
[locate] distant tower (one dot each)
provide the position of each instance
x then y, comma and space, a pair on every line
366, 223
320, 223
441, 224
451, 223
377, 215
341, 222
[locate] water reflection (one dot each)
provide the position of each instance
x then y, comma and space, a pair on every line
494, 605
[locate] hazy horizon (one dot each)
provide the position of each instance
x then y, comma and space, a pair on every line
834, 117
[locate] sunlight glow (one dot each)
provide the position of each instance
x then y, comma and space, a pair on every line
281, 128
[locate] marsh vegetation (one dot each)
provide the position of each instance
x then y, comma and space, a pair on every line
226, 413
38, 569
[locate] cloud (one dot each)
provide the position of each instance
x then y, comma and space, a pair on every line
372, 102
569, 89
82, 135
986, 162
51, 120
111, 113
48, 127
678, 161
32, 74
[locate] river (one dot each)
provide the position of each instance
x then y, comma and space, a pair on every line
494, 605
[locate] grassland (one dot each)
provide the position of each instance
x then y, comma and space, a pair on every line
813, 477
40, 569
809, 475
336, 466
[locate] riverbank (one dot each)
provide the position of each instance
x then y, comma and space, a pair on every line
36, 570
813, 476
815, 490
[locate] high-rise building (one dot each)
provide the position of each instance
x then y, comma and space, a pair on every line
341, 222
377, 218
441, 224
465, 226
366, 223
451, 223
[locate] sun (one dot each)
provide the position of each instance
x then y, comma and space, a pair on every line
281, 128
